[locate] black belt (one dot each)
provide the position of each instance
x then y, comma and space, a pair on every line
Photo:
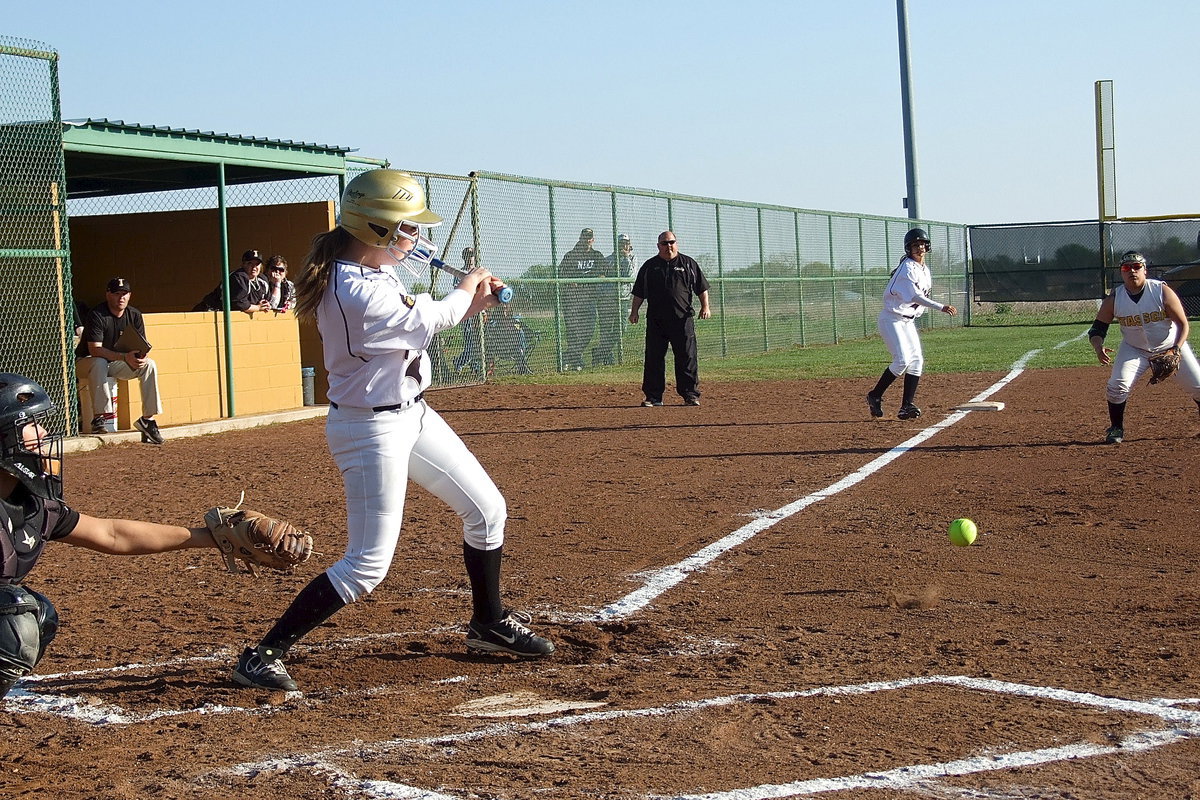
396, 407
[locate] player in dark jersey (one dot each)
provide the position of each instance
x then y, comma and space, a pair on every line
32, 513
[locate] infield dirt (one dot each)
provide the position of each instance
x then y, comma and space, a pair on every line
1084, 577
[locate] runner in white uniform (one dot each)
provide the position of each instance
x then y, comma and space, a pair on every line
380, 430
1152, 320
904, 301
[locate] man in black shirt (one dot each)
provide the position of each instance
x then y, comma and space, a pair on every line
579, 299
247, 291
667, 282
104, 359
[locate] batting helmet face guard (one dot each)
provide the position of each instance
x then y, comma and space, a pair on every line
27, 451
917, 235
386, 208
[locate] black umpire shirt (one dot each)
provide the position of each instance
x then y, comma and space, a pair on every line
668, 286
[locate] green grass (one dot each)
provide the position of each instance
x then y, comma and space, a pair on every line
946, 350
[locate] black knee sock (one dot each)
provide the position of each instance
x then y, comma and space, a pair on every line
483, 568
1116, 414
316, 603
910, 389
885, 380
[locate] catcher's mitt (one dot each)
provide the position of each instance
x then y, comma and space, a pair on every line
1164, 365
257, 540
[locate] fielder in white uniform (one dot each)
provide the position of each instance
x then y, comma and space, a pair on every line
1152, 320
904, 301
380, 430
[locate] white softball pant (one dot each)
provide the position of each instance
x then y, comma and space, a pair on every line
900, 335
1131, 363
377, 453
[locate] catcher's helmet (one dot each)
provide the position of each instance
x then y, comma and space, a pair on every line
34, 460
1134, 257
914, 236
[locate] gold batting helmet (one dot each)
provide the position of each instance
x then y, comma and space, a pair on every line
377, 202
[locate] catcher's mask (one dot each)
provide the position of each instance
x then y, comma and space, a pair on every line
381, 207
28, 451
917, 235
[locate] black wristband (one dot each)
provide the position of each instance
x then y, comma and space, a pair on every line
1098, 329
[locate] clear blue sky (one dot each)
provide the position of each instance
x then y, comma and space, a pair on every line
792, 102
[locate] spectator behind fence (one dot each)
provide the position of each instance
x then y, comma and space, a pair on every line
104, 356
247, 292
579, 299
281, 293
610, 302
471, 355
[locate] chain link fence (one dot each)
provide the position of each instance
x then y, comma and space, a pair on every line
1047, 273
35, 266
779, 276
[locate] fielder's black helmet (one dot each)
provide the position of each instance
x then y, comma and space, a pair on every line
914, 236
24, 403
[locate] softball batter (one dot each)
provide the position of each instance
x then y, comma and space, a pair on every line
1152, 321
904, 301
380, 430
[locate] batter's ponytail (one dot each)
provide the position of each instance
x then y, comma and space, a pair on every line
314, 275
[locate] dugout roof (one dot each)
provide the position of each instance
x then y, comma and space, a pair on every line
111, 157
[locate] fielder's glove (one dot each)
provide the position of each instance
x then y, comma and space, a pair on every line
1164, 365
257, 540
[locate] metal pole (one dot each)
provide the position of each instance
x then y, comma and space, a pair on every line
223, 213
912, 202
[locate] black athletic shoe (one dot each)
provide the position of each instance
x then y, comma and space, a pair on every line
876, 404
252, 671
648, 403
1115, 435
149, 429
98, 425
692, 401
509, 635
908, 412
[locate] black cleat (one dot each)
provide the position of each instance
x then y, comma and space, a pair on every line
692, 401
252, 671
508, 635
908, 412
1115, 435
648, 403
876, 405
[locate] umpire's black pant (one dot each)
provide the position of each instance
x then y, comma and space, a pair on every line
680, 334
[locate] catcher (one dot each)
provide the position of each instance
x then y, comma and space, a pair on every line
32, 513
1154, 331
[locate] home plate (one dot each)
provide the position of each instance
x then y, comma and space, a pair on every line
986, 405
517, 704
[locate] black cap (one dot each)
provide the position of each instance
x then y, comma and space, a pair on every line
119, 285
586, 233
252, 255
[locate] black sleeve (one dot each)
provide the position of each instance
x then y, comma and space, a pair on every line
701, 284
639, 283
239, 291
93, 328
63, 520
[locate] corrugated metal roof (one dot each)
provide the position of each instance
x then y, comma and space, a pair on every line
104, 123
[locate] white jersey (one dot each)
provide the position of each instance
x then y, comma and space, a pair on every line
375, 335
907, 293
1144, 323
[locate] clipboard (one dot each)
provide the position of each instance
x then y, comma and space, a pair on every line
130, 341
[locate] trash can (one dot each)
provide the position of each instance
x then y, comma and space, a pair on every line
308, 379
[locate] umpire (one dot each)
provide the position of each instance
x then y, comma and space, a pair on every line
667, 282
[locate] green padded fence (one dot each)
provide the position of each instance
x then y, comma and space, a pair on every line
35, 266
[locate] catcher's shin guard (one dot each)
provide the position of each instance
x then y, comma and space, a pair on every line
28, 623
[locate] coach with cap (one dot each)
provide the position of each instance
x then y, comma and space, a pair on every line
583, 261
103, 355
247, 291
